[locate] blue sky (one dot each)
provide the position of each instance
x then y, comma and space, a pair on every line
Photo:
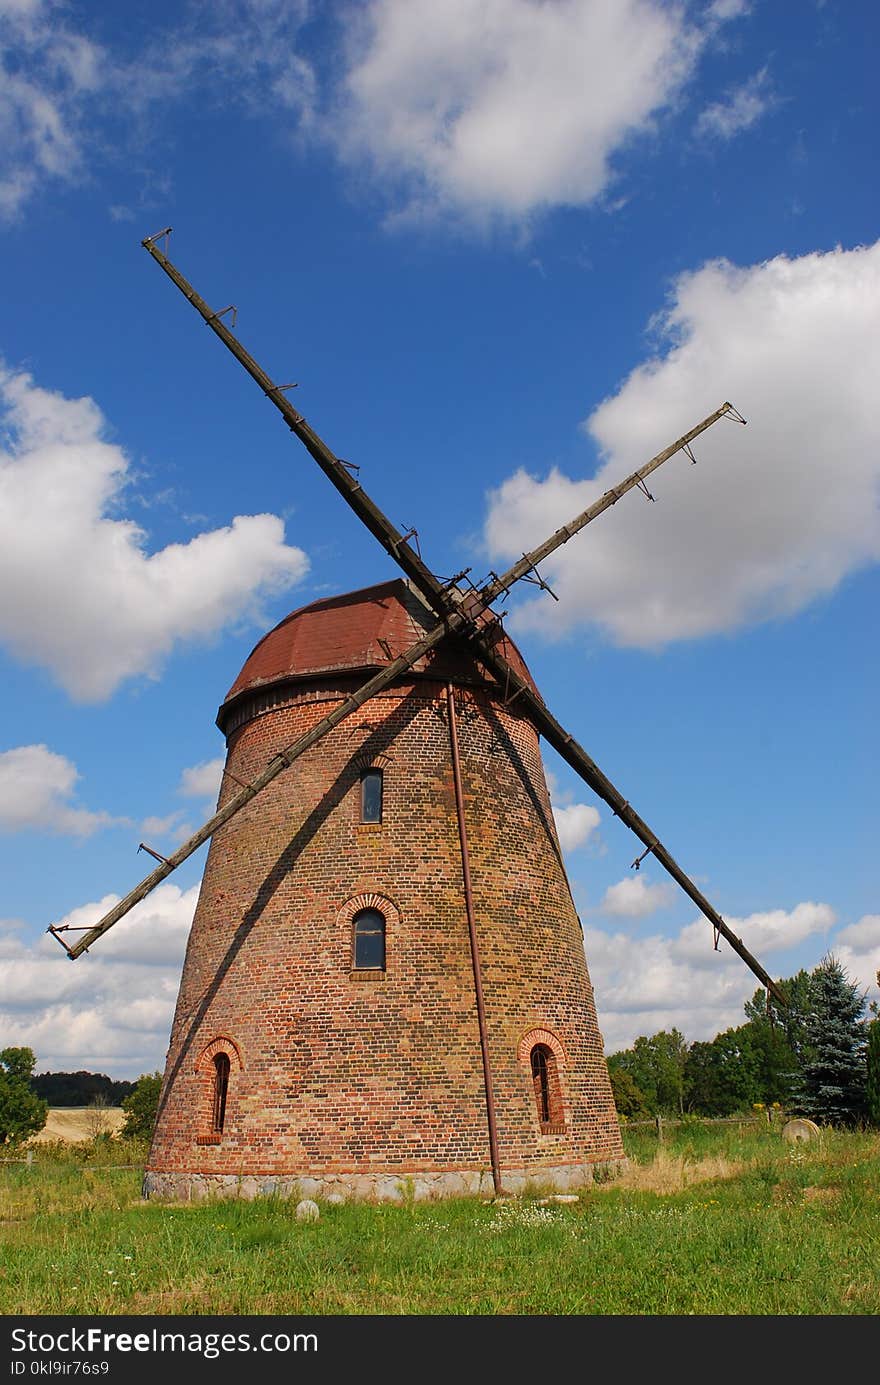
509, 250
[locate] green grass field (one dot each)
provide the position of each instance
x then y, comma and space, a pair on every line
720, 1219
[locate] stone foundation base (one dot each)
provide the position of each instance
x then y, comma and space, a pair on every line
377, 1187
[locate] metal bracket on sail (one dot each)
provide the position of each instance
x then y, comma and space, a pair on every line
215, 317
533, 575
639, 859
160, 235
142, 846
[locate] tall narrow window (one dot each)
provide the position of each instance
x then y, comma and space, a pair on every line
369, 940
221, 1087
371, 795
541, 1080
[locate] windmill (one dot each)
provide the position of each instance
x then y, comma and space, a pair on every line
338, 1085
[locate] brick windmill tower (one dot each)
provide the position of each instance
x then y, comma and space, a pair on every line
385, 986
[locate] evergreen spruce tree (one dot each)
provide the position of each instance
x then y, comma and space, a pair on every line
872, 1090
831, 1090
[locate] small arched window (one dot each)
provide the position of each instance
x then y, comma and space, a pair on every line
221, 1087
541, 1080
371, 795
548, 1089
368, 941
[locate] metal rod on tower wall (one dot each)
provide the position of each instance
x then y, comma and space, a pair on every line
472, 933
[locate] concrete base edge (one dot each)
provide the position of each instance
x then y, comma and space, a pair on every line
377, 1187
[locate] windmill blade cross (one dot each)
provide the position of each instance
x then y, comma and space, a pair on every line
460, 615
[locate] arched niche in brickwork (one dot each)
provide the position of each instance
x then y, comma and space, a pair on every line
215, 1064
357, 904
378, 761
542, 1059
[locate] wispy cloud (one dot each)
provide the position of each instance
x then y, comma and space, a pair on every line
742, 107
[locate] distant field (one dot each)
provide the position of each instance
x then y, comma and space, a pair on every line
78, 1124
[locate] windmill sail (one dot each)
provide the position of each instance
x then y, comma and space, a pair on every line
462, 615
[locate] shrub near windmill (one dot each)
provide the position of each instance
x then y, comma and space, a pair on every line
385, 985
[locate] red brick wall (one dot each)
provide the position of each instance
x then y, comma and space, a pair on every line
330, 1072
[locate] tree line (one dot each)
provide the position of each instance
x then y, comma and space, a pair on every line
79, 1088
25, 1097
819, 1057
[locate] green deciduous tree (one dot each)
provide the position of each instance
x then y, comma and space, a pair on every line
628, 1099
831, 1088
140, 1107
22, 1113
656, 1066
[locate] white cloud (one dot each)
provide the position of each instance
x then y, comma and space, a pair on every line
84, 596
508, 106
61, 89
741, 108
773, 931
722, 10
49, 74
634, 897
110, 1010
36, 789
775, 514
574, 824
857, 948
863, 935
647, 984
202, 780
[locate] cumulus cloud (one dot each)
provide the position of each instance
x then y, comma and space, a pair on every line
36, 790
575, 823
111, 1010
505, 107
857, 948
634, 897
662, 982
773, 931
774, 515
84, 596
202, 780
742, 107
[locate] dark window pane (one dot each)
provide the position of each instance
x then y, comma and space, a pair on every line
541, 1079
221, 1086
369, 939
371, 796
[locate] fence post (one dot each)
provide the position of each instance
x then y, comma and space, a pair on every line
30, 1157
659, 1128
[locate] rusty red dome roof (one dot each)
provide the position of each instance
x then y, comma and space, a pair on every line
360, 631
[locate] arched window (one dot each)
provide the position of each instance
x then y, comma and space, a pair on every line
368, 940
548, 1089
371, 795
541, 1080
221, 1087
